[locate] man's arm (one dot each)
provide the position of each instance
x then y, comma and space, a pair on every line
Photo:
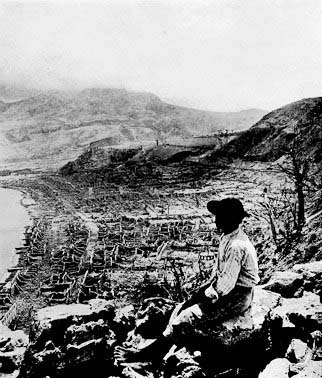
227, 278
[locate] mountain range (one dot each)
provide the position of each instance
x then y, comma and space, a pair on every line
45, 129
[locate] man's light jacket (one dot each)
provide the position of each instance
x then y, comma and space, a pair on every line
236, 264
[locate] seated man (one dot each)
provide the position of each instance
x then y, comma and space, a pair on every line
228, 292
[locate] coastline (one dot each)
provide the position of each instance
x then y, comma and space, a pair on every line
10, 257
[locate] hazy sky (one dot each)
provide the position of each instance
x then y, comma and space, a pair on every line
217, 55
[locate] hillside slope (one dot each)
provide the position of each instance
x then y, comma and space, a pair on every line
53, 127
269, 138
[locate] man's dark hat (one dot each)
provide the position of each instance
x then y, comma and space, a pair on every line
229, 207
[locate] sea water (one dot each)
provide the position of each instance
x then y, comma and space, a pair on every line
13, 219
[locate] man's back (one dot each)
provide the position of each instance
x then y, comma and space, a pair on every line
236, 263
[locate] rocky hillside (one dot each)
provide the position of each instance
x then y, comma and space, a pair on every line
53, 127
269, 138
280, 336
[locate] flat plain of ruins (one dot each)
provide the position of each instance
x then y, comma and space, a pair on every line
126, 235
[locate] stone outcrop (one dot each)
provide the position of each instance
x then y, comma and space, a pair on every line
312, 370
309, 269
279, 328
243, 326
282, 368
66, 339
79, 338
153, 316
279, 337
71, 339
302, 317
243, 342
304, 312
312, 275
285, 283
182, 362
278, 368
298, 351
301, 277
124, 321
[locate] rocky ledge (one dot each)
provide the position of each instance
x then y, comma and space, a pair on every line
280, 337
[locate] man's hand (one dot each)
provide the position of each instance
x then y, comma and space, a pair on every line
211, 294
203, 296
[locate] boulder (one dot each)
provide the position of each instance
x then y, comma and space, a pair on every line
313, 369
208, 351
298, 351
185, 363
80, 333
153, 316
278, 368
13, 345
286, 283
101, 309
138, 370
124, 321
180, 362
263, 303
67, 339
251, 322
304, 312
312, 274
125, 315
244, 341
50, 323
309, 269
316, 338
149, 322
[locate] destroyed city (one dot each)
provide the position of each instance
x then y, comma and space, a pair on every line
160, 189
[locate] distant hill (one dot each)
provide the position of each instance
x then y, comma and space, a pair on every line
267, 140
270, 137
47, 129
11, 93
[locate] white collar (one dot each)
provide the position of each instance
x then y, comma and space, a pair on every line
231, 234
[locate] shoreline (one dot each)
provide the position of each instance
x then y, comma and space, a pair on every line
13, 257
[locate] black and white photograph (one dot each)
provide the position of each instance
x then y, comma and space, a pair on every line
161, 188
